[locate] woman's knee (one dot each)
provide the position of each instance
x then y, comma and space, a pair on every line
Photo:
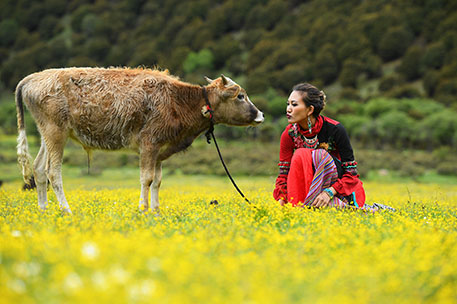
301, 157
301, 153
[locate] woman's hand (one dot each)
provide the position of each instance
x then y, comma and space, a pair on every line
323, 199
282, 202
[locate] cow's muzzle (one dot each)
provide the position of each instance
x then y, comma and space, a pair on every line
259, 118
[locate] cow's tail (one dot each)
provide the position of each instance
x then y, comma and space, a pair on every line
23, 155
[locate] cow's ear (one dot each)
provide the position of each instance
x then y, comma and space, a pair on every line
231, 91
208, 79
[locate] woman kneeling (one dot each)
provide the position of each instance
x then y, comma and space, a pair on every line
316, 161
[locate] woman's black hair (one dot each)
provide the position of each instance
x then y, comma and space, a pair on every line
311, 96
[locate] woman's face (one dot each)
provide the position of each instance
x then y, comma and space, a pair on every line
296, 110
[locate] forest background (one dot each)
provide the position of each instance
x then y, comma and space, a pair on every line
389, 69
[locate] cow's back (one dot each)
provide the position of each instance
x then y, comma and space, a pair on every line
101, 108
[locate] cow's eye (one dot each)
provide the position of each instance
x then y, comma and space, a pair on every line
240, 96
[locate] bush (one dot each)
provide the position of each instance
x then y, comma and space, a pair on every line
258, 82
223, 49
350, 72
326, 65
404, 91
49, 27
394, 43
356, 126
119, 55
374, 26
276, 103
350, 93
409, 169
351, 46
16, 68
78, 16
430, 81
397, 128
434, 56
145, 54
375, 107
8, 32
371, 65
97, 48
202, 60
176, 59
410, 66
82, 61
251, 37
292, 74
389, 82
439, 128
261, 52
446, 91
447, 168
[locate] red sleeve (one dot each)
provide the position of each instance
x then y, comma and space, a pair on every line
286, 150
345, 185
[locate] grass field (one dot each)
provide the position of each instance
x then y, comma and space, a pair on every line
231, 253
195, 252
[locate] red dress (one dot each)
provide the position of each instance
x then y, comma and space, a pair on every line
326, 134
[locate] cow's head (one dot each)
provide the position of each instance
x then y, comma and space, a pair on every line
231, 104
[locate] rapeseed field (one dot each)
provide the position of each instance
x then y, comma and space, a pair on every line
194, 252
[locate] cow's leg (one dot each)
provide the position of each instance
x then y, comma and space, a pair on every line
148, 159
155, 186
39, 168
55, 142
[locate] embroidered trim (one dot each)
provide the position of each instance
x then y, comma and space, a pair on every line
284, 167
350, 167
350, 164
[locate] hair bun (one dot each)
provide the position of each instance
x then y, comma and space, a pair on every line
323, 96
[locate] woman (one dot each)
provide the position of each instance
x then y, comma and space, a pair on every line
316, 162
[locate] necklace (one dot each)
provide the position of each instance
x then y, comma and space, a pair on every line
311, 142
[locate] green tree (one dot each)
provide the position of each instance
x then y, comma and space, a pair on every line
8, 32
326, 65
97, 48
49, 27
262, 50
439, 128
398, 128
201, 60
430, 81
350, 72
394, 43
434, 56
410, 66
223, 49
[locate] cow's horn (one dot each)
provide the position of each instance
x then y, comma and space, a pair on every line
208, 79
224, 80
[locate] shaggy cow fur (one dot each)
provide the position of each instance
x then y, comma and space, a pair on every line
148, 111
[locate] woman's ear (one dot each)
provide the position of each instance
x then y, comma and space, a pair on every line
311, 110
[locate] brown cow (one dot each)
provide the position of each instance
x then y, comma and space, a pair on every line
145, 110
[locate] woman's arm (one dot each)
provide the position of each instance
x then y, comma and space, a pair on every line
286, 150
345, 185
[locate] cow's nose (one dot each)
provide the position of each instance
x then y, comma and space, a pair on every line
259, 118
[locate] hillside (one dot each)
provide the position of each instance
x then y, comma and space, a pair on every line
356, 49
388, 68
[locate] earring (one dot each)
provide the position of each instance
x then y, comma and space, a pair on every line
309, 125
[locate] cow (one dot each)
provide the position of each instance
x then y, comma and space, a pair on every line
145, 110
